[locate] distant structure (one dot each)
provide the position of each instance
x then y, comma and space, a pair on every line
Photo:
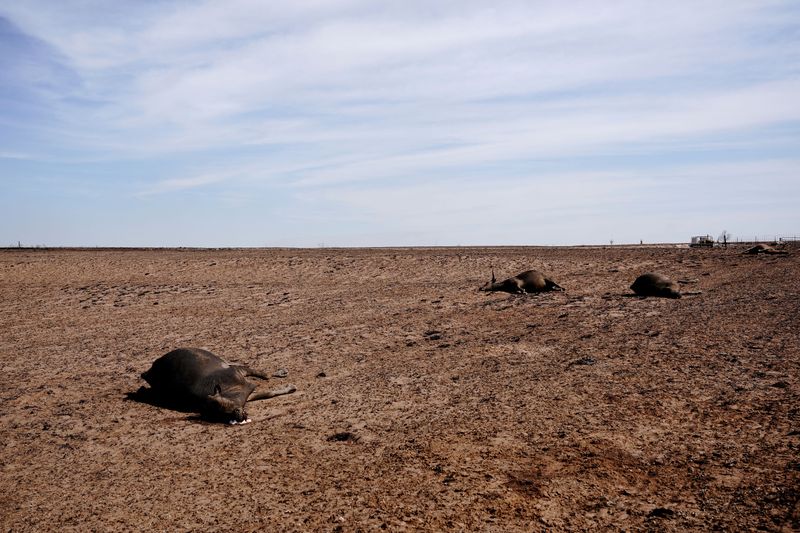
700, 241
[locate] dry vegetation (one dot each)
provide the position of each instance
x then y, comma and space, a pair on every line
422, 404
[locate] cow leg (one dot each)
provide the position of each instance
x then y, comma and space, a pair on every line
251, 372
271, 394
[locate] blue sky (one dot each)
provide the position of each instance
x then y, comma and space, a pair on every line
362, 123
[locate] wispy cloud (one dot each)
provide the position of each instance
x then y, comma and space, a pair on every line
180, 184
569, 207
14, 155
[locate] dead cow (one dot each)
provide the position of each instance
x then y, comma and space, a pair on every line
200, 381
652, 284
764, 249
524, 282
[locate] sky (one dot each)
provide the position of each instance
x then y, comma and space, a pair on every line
400, 123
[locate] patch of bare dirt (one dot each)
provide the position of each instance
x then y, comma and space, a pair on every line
422, 404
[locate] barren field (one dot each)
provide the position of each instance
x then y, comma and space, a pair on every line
422, 404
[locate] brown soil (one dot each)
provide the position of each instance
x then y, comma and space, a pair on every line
422, 404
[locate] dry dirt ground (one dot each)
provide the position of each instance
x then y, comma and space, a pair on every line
422, 404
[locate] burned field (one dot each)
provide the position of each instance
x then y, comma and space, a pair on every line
421, 404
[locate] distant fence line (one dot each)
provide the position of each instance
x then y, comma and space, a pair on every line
774, 238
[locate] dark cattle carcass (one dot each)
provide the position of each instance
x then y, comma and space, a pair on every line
764, 249
524, 282
200, 381
652, 284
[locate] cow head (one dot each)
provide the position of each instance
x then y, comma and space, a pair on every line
669, 292
221, 408
488, 286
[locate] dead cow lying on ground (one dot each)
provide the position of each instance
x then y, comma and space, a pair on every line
654, 284
764, 249
198, 380
528, 281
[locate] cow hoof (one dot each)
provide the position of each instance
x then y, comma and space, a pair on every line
243, 422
